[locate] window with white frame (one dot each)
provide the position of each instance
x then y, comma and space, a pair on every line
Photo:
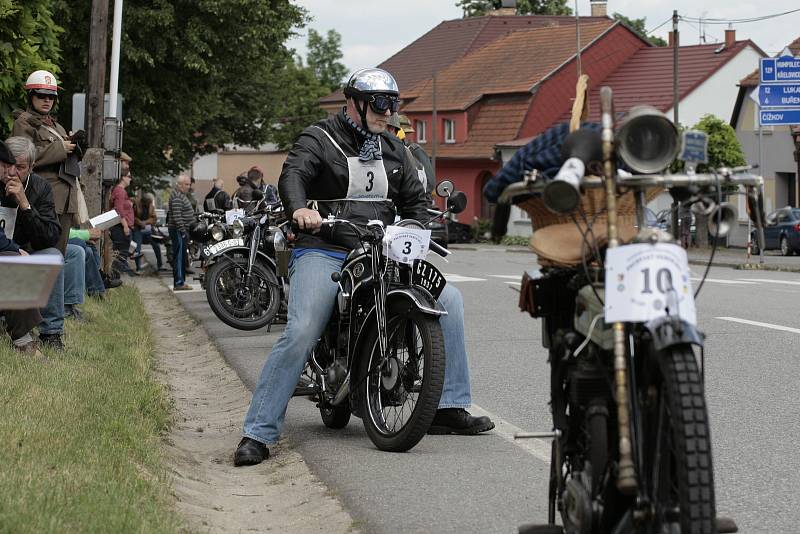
449, 131
422, 134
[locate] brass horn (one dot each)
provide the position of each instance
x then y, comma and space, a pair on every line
647, 140
721, 219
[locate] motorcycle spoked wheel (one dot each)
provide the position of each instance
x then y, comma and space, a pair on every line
399, 397
234, 305
680, 481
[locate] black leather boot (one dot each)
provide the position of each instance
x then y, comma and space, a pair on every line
459, 421
250, 452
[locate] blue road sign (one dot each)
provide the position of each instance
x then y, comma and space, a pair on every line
694, 147
779, 95
778, 117
780, 69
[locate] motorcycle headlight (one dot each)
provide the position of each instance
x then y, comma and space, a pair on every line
237, 228
217, 232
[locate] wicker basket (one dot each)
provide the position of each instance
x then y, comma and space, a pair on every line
593, 203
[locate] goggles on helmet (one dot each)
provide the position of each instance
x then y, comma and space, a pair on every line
380, 104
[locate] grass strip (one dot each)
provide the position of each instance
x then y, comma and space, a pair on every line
80, 447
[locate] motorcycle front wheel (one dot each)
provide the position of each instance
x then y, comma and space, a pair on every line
399, 394
236, 304
679, 470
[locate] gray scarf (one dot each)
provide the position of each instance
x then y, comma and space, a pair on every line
371, 149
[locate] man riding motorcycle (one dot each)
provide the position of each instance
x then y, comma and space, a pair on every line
349, 167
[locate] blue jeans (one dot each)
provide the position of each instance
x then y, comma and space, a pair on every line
142, 235
178, 249
53, 312
74, 275
311, 301
93, 278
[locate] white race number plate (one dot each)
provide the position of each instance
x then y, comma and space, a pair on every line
406, 244
222, 245
644, 282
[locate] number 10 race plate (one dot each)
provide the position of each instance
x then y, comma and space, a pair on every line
644, 282
428, 277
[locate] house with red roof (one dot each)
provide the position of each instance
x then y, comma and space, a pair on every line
494, 82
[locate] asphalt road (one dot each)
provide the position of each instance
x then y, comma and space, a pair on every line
490, 483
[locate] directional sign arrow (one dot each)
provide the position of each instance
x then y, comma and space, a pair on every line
777, 117
779, 95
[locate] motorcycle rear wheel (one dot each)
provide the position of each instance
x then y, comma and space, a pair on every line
678, 447
399, 398
225, 279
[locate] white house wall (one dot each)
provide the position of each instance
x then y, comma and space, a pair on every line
717, 95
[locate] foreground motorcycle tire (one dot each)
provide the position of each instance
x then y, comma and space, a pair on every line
232, 303
679, 428
399, 399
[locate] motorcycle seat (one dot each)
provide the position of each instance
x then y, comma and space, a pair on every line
562, 245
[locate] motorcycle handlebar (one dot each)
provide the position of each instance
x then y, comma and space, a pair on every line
725, 176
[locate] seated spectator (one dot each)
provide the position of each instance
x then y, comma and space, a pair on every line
19, 323
74, 281
121, 233
96, 283
144, 219
37, 229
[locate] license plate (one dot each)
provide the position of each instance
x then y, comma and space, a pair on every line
428, 277
223, 245
644, 282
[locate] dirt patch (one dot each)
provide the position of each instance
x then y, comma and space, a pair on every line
280, 495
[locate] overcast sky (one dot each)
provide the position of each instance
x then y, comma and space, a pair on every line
374, 30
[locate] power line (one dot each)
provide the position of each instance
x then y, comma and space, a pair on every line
738, 21
657, 27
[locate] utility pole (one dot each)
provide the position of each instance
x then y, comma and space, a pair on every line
434, 120
675, 101
93, 159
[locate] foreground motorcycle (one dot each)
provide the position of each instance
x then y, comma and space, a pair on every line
381, 356
631, 445
241, 284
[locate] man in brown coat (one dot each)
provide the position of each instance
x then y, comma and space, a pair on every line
57, 156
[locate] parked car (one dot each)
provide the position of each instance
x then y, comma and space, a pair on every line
439, 233
781, 231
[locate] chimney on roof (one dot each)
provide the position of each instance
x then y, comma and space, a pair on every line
671, 39
599, 8
730, 37
508, 8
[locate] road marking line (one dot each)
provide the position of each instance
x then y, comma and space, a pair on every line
765, 325
502, 428
721, 281
514, 283
459, 278
768, 281
509, 276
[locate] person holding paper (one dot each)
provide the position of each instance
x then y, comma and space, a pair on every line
348, 165
57, 154
27, 204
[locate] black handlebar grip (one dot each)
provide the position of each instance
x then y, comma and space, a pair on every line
439, 249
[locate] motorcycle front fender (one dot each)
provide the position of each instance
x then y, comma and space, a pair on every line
400, 299
244, 251
670, 331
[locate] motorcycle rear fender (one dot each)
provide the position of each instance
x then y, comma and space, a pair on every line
245, 251
670, 331
400, 297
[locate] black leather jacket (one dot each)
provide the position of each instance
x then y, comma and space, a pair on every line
37, 228
316, 170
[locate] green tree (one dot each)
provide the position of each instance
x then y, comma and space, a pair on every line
724, 150
300, 102
28, 42
478, 8
189, 83
324, 58
638, 25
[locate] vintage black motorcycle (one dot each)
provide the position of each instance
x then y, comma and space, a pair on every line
631, 445
381, 356
241, 284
